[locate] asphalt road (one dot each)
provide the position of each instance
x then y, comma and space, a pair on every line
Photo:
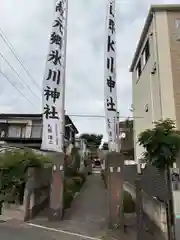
17, 231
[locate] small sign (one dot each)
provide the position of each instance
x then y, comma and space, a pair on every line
119, 169
61, 167
111, 169
54, 168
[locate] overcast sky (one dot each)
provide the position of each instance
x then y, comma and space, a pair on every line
27, 25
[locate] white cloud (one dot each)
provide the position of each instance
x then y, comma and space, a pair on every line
27, 25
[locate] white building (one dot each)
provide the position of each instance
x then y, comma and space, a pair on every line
156, 71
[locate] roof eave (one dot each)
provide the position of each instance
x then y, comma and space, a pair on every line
152, 10
142, 37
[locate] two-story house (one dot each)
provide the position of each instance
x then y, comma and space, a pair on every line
26, 130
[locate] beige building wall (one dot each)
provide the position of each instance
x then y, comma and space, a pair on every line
142, 98
165, 66
159, 84
174, 40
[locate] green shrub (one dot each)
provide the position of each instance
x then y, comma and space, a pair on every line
81, 175
77, 180
69, 171
72, 185
68, 183
129, 204
68, 198
13, 166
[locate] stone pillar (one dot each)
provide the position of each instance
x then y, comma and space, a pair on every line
57, 187
29, 193
114, 169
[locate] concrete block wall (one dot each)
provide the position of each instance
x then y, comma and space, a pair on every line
37, 191
156, 212
36, 195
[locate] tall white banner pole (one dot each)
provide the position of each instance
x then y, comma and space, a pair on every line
110, 94
54, 83
53, 106
62, 131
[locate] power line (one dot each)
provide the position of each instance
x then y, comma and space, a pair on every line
4, 38
22, 80
71, 115
14, 85
99, 116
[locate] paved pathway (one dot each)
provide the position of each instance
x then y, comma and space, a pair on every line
88, 213
87, 219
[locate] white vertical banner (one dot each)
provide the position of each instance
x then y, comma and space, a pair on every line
54, 82
110, 76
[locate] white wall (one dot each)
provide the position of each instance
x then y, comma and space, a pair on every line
156, 89
142, 96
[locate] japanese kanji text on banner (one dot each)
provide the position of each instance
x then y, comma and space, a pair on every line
53, 83
110, 77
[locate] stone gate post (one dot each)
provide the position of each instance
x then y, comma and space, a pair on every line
114, 169
57, 187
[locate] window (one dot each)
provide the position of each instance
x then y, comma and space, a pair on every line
16, 131
23, 132
146, 50
138, 69
177, 25
67, 133
36, 131
146, 53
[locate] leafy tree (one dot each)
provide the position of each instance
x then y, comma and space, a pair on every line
161, 143
93, 140
105, 146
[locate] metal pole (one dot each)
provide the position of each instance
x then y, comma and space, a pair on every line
118, 140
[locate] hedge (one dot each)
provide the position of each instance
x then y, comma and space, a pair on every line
72, 185
13, 166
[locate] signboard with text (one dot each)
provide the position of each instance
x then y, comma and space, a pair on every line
110, 76
53, 83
